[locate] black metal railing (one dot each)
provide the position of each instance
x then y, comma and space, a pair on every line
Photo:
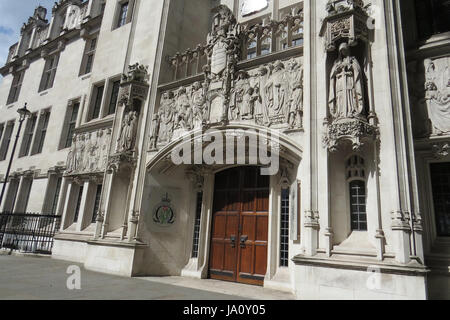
27, 232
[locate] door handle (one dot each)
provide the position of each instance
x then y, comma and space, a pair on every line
233, 241
243, 240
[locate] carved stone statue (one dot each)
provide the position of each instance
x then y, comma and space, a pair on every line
71, 157
437, 93
261, 112
79, 161
243, 98
155, 129
184, 116
276, 93
167, 117
199, 105
295, 117
128, 131
346, 98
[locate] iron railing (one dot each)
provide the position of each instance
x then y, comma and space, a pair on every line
27, 232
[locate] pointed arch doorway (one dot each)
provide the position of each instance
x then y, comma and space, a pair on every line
239, 236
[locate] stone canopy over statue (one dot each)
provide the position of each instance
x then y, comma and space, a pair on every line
346, 97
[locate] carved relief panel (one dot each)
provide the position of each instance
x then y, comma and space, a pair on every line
89, 152
429, 89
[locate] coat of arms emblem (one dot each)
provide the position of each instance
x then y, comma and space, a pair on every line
164, 214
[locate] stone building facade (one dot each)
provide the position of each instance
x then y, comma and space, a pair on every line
348, 101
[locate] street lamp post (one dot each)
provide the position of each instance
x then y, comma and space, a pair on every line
23, 114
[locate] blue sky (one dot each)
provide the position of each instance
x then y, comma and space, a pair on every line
13, 14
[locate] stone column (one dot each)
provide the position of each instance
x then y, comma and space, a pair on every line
62, 196
86, 205
274, 216
67, 204
401, 231
205, 224
107, 204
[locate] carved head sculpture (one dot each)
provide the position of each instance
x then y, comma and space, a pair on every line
196, 86
278, 66
262, 71
181, 91
429, 65
344, 50
241, 75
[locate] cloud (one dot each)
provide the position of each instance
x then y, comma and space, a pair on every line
6, 31
13, 14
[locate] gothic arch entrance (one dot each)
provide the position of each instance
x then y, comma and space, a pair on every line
240, 220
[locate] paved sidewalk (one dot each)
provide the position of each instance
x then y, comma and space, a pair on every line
31, 278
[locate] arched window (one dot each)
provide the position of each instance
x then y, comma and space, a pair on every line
356, 177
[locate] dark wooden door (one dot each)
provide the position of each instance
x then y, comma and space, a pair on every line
240, 226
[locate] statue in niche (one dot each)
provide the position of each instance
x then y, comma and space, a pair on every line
276, 93
184, 116
437, 93
199, 105
166, 115
128, 131
295, 117
346, 99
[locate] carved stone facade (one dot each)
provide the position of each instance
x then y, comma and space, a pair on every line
89, 152
362, 148
270, 95
350, 116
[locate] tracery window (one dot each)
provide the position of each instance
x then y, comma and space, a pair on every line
356, 176
198, 216
284, 228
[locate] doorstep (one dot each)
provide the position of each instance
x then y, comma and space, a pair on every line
223, 287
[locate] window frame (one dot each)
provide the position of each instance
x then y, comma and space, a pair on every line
95, 106
434, 221
6, 140
355, 170
28, 135
49, 73
284, 237
41, 131
70, 124
112, 96
119, 19
16, 87
89, 55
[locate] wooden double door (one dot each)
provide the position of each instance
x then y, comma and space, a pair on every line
240, 226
